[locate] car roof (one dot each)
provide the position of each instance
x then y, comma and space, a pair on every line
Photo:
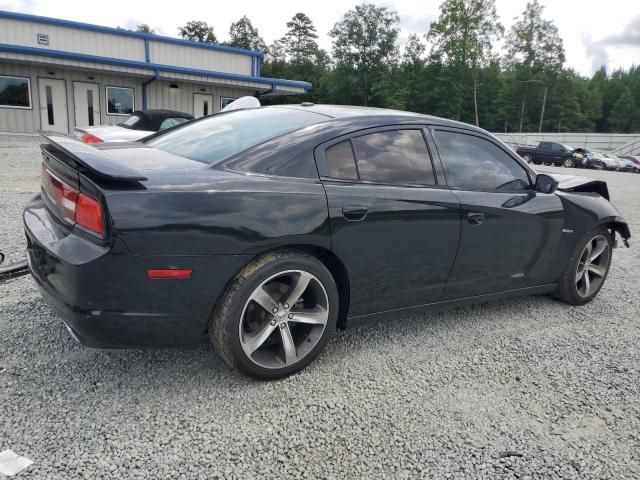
350, 111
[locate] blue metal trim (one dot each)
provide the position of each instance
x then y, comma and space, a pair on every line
144, 89
147, 56
125, 33
149, 66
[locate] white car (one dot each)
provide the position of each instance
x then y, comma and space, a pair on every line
138, 125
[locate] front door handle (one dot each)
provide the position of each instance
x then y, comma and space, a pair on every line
354, 213
475, 218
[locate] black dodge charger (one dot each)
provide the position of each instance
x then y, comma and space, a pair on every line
266, 229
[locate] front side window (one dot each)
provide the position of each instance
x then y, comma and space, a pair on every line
217, 137
120, 100
171, 122
473, 163
15, 92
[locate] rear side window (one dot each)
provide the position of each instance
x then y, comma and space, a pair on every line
395, 156
474, 163
340, 160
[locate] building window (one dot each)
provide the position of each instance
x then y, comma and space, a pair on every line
120, 100
15, 92
224, 101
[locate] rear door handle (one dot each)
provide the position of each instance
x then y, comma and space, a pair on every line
475, 218
354, 213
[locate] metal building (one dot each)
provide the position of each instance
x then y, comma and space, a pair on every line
56, 74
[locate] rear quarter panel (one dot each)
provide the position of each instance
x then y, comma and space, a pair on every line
220, 213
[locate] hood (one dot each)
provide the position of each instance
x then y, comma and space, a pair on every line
574, 183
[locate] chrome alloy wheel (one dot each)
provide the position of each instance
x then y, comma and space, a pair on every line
592, 266
284, 319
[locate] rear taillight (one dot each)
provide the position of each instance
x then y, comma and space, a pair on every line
90, 138
76, 207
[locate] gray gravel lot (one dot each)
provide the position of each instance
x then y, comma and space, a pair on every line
528, 388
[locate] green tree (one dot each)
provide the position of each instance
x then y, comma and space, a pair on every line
144, 28
365, 41
198, 31
534, 42
244, 35
461, 39
624, 117
301, 38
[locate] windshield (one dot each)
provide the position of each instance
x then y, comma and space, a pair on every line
568, 147
220, 136
130, 122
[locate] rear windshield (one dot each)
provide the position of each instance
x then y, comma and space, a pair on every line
220, 136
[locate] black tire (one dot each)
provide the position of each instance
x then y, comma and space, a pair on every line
569, 162
568, 286
225, 324
527, 158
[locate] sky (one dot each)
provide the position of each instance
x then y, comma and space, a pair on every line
595, 32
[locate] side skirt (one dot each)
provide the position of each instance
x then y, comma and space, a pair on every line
353, 322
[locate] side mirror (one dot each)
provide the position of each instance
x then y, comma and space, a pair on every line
545, 183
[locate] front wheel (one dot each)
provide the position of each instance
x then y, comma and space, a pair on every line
527, 158
277, 316
587, 269
569, 163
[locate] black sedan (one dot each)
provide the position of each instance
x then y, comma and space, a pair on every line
266, 229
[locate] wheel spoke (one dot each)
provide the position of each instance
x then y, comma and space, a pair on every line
580, 272
262, 298
599, 271
587, 284
298, 288
600, 247
290, 354
587, 250
318, 317
258, 340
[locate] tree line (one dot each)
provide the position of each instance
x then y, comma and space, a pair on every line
452, 71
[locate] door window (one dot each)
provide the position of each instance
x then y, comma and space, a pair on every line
172, 122
473, 163
395, 156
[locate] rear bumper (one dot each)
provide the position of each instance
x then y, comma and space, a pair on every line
104, 296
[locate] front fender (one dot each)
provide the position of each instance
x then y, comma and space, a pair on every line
586, 210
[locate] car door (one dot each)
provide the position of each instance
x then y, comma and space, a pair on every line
510, 233
394, 224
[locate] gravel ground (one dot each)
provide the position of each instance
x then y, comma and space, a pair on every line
527, 388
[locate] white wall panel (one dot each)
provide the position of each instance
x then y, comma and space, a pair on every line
200, 58
17, 32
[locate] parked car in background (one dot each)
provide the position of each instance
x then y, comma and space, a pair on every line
634, 160
138, 125
264, 229
551, 153
606, 161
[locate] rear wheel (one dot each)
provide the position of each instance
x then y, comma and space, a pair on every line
277, 316
587, 269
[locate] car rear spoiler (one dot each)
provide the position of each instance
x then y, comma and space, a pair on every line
92, 158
